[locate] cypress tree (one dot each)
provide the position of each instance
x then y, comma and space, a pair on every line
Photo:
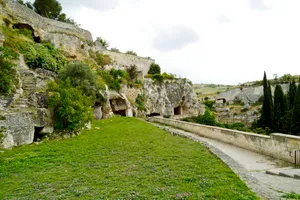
279, 110
295, 127
290, 104
266, 111
291, 94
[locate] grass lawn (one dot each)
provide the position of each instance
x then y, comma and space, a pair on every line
125, 159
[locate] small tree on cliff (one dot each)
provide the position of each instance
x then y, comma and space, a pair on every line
154, 69
48, 8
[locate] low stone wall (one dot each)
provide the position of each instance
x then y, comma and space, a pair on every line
122, 60
276, 145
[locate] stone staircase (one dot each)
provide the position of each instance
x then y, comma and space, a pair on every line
28, 86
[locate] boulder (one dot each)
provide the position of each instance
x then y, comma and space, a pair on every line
15, 134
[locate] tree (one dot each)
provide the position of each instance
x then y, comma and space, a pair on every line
265, 120
280, 108
27, 4
154, 69
81, 76
72, 109
48, 8
295, 127
291, 94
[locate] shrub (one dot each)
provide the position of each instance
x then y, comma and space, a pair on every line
113, 78
15, 39
132, 72
158, 77
154, 69
72, 109
208, 104
84, 78
115, 50
140, 102
131, 53
44, 56
103, 42
208, 118
103, 60
168, 76
7, 55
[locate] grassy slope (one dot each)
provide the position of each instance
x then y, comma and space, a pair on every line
125, 159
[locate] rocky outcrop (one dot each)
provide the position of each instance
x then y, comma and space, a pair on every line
247, 95
67, 36
17, 128
170, 98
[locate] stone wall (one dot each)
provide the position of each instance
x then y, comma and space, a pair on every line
122, 60
60, 34
276, 145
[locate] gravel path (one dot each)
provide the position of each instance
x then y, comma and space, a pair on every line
248, 165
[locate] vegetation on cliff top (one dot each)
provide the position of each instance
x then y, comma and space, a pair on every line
120, 158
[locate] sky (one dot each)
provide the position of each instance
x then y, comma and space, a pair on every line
206, 41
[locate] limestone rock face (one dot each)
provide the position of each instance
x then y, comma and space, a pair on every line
15, 134
98, 113
64, 35
174, 97
249, 94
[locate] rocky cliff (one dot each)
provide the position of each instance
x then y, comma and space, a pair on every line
24, 113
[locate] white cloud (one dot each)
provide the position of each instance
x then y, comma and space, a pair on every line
256, 39
258, 4
174, 38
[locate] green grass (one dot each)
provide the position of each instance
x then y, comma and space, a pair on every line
124, 159
292, 196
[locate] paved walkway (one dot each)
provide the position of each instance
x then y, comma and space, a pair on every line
250, 166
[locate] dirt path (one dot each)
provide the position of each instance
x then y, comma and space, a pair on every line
250, 166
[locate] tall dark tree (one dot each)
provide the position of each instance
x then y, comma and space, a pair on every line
48, 8
280, 109
291, 94
266, 111
290, 105
295, 127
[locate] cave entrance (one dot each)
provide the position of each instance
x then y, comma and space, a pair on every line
21, 26
154, 114
178, 110
118, 106
38, 134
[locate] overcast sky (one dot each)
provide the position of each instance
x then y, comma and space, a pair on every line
207, 41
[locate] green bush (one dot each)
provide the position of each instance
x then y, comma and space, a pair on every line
168, 76
7, 55
103, 42
208, 104
103, 60
44, 56
84, 78
140, 102
154, 69
113, 78
72, 108
158, 77
132, 72
131, 53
